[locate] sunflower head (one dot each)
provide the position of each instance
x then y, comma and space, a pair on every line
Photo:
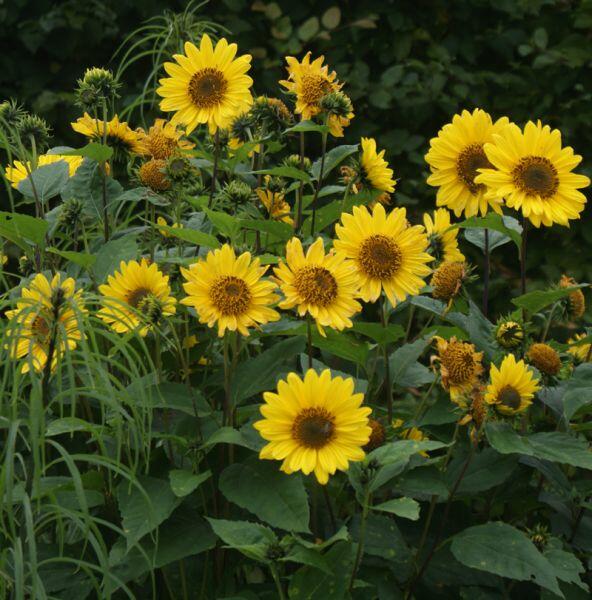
294, 160
32, 129
544, 358
377, 437
136, 298
316, 424
455, 158
512, 387
230, 291
11, 112
71, 214
46, 322
152, 174
443, 237
460, 366
389, 254
270, 115
509, 333
339, 110
576, 301
376, 174
235, 193
532, 172
163, 140
448, 280
206, 85
275, 204
539, 535
96, 86
322, 285
581, 351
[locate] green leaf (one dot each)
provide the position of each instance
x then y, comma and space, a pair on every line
539, 299
312, 557
497, 223
287, 172
342, 345
69, 425
199, 238
226, 224
480, 331
112, 253
487, 470
495, 238
279, 230
94, 151
45, 182
142, 194
503, 550
333, 158
383, 538
23, 229
331, 17
251, 539
262, 372
567, 566
273, 496
378, 333
307, 126
422, 483
143, 509
308, 29
227, 435
78, 258
184, 482
403, 359
554, 446
406, 508
578, 391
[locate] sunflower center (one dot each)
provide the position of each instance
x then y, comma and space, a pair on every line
316, 285
314, 427
313, 88
207, 87
151, 308
380, 256
536, 176
40, 329
136, 297
459, 362
161, 146
230, 295
509, 397
468, 162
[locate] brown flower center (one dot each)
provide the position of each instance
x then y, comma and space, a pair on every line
314, 87
316, 285
314, 427
230, 295
459, 361
207, 87
136, 297
161, 146
536, 176
468, 162
380, 257
509, 397
40, 329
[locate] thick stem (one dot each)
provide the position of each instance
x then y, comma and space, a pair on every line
360, 550
278, 583
319, 184
523, 256
329, 508
388, 387
549, 321
486, 269
215, 167
227, 407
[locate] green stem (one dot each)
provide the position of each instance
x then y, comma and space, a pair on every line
215, 167
277, 581
486, 274
360, 550
298, 220
549, 321
103, 170
388, 388
319, 183
309, 340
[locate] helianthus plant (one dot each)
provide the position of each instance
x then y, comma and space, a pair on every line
235, 364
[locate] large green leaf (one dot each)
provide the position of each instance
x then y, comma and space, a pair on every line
407, 508
554, 446
23, 229
252, 539
46, 182
486, 470
112, 253
403, 359
535, 301
184, 482
503, 550
378, 333
283, 171
81, 259
578, 391
95, 151
199, 238
333, 158
261, 488
496, 222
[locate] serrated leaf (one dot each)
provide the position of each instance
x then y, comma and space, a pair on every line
496, 222
199, 238
184, 482
45, 182
251, 539
535, 301
307, 126
23, 229
273, 496
406, 508
503, 550
95, 151
404, 358
378, 333
78, 258
578, 390
333, 158
112, 253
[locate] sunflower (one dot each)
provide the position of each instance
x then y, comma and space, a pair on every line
581, 352
456, 156
136, 298
162, 140
46, 310
448, 279
18, 171
442, 236
512, 386
152, 175
545, 358
460, 366
276, 205
509, 333
375, 170
206, 85
409, 433
162, 221
119, 135
310, 81
316, 424
533, 173
230, 291
323, 285
388, 253
576, 301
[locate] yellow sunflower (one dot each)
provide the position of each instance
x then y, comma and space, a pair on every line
375, 170
276, 205
46, 308
136, 298
410, 433
576, 301
162, 140
230, 291
206, 85
512, 386
456, 156
323, 285
314, 425
442, 236
18, 171
119, 135
533, 173
460, 366
164, 232
389, 254
582, 352
310, 81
